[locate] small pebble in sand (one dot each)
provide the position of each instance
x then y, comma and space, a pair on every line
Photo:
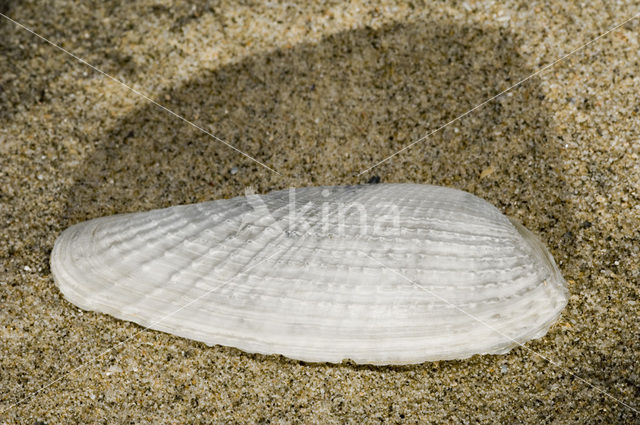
234, 170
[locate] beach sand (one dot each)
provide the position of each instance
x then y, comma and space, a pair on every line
319, 93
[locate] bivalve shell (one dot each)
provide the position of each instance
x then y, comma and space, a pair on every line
379, 274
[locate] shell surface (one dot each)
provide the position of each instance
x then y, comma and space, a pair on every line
379, 274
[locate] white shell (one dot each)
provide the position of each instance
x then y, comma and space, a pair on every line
431, 273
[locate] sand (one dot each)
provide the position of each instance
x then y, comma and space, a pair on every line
319, 93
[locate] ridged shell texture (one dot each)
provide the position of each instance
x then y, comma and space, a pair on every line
379, 274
